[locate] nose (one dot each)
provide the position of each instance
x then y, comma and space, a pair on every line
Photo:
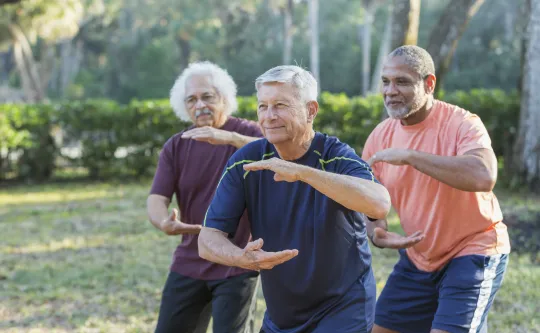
390, 89
199, 104
272, 113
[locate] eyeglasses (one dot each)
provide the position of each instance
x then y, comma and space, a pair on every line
206, 98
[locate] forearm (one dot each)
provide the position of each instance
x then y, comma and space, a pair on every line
357, 194
157, 210
239, 140
466, 172
214, 246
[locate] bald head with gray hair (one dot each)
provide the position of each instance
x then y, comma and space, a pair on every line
296, 76
417, 58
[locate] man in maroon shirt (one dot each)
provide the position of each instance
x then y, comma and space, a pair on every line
190, 166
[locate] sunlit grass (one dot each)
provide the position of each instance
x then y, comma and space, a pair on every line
83, 258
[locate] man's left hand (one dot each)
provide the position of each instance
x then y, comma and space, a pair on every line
395, 156
209, 134
285, 171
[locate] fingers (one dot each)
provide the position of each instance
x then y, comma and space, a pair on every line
255, 166
197, 133
255, 245
268, 260
185, 228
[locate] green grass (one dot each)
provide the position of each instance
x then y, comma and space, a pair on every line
79, 257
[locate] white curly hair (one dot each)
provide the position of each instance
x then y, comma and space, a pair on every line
221, 81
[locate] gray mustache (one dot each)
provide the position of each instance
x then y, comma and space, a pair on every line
203, 111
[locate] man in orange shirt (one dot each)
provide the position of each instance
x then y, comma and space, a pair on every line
437, 162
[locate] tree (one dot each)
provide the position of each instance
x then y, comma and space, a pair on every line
445, 35
314, 45
527, 146
370, 7
405, 22
384, 49
288, 31
7, 2
39, 20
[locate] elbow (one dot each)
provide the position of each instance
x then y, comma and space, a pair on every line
486, 183
382, 206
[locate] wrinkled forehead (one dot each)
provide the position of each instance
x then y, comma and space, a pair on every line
398, 67
273, 91
198, 85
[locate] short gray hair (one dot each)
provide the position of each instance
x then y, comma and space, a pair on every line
417, 58
298, 77
221, 80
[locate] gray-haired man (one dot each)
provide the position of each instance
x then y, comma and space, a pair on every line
304, 192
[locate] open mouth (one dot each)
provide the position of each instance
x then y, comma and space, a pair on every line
394, 104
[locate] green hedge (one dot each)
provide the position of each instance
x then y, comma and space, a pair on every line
101, 127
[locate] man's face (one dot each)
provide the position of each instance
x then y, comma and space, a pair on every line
203, 103
283, 117
403, 89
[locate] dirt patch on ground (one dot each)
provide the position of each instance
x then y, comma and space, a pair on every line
524, 230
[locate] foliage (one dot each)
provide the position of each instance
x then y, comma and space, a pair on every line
124, 140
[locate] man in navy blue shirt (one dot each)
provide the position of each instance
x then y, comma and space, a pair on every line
304, 193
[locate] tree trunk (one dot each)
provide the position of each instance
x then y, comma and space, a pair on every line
509, 21
527, 147
185, 51
365, 33
26, 65
444, 37
384, 49
314, 28
405, 23
288, 32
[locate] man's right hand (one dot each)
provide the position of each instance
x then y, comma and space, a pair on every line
172, 226
391, 240
254, 258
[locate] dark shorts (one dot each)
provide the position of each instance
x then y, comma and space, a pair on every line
354, 313
455, 299
187, 303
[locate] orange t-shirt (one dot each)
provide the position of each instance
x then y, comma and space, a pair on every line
455, 222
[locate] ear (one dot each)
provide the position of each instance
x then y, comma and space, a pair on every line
312, 110
429, 83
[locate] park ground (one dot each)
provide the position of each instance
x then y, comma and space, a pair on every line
82, 257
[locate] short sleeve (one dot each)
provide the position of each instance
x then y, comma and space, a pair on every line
165, 177
349, 163
228, 203
472, 134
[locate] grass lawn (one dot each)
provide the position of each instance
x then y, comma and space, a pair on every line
82, 257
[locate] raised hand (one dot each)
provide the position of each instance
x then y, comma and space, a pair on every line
173, 226
209, 134
284, 170
391, 240
255, 258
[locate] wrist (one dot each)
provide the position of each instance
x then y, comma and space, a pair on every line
235, 140
304, 173
410, 157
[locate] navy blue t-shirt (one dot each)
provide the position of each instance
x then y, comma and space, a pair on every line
333, 251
